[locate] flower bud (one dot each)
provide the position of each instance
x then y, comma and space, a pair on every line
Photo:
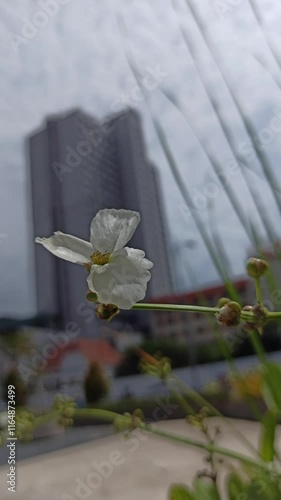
222, 301
258, 320
91, 296
256, 267
120, 424
166, 369
260, 313
248, 308
229, 314
138, 413
107, 311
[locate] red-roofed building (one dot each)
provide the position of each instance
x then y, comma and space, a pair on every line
63, 369
92, 350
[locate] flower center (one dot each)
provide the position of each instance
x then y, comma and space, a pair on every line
100, 258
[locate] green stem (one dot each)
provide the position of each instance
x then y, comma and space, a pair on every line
208, 447
44, 419
258, 290
234, 370
182, 401
176, 307
273, 315
107, 415
112, 416
201, 401
245, 315
256, 343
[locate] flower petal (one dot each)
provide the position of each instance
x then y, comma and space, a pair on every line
112, 229
68, 247
123, 281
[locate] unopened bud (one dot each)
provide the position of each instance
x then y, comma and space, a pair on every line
92, 297
166, 370
259, 317
256, 267
106, 311
260, 313
222, 301
138, 413
120, 424
248, 308
229, 314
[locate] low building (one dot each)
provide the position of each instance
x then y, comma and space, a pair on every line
60, 368
193, 327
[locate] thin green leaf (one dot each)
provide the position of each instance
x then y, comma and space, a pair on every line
267, 39
216, 165
250, 129
200, 225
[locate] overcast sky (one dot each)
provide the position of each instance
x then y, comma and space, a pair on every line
78, 59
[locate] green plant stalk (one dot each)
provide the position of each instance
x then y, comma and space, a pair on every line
201, 401
216, 166
258, 291
218, 240
245, 315
268, 71
231, 363
107, 415
263, 32
229, 139
256, 343
261, 209
232, 368
44, 419
176, 307
176, 386
182, 401
231, 143
246, 123
188, 200
273, 315
179, 181
269, 276
111, 416
208, 447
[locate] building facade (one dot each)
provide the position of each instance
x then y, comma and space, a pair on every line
79, 166
196, 328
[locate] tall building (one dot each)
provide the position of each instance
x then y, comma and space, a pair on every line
79, 166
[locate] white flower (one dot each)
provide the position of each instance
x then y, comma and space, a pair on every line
117, 274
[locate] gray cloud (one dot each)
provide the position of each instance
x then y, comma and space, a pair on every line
78, 59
